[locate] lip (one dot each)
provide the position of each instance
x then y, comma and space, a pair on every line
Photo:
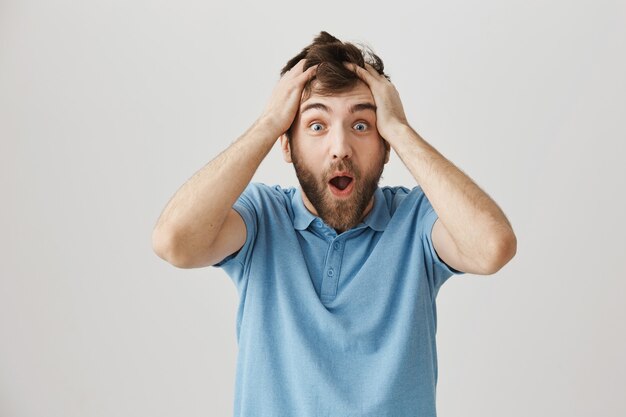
342, 174
346, 191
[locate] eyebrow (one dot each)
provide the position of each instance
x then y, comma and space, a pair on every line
353, 109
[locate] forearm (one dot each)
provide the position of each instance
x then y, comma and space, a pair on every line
477, 225
196, 212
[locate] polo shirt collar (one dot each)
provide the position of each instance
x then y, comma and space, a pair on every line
377, 218
302, 216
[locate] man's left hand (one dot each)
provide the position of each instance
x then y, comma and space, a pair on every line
389, 110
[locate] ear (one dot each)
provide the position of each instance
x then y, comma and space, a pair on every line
284, 146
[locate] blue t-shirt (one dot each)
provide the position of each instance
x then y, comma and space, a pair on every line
336, 325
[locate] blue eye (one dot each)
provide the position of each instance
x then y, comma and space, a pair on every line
361, 124
316, 124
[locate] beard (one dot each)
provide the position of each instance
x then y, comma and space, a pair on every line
339, 213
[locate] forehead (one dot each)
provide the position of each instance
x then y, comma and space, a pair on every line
359, 94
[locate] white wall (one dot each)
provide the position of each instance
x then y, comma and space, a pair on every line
107, 107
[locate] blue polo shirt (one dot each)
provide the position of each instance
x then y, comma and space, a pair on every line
335, 325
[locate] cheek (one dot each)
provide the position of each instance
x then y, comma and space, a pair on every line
374, 151
312, 151
307, 160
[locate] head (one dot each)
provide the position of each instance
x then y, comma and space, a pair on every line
333, 142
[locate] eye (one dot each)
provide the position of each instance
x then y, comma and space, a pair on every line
361, 127
316, 127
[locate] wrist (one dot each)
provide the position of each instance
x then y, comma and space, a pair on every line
397, 131
269, 126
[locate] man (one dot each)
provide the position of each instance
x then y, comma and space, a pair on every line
337, 281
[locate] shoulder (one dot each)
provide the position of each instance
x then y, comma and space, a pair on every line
396, 196
266, 201
260, 192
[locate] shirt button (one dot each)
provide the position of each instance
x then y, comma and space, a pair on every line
331, 272
318, 223
336, 245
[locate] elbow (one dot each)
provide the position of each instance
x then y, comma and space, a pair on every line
164, 246
501, 252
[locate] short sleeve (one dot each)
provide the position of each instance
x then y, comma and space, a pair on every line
440, 270
236, 264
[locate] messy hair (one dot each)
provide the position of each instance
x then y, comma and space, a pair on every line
329, 52
332, 76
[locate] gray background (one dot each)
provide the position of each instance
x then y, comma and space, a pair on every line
108, 107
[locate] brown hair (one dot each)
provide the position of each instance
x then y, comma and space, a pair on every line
331, 75
329, 52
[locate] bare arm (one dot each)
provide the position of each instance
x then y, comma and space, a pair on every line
472, 233
198, 226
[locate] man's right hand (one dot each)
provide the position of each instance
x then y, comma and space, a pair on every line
199, 227
284, 103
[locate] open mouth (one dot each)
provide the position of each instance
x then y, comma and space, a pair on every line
341, 184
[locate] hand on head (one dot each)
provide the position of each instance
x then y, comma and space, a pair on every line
389, 109
285, 100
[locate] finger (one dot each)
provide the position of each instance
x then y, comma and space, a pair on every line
362, 73
299, 68
308, 73
296, 69
371, 69
374, 72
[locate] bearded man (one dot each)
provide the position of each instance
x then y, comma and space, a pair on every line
336, 280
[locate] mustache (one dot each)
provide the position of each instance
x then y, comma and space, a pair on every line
343, 165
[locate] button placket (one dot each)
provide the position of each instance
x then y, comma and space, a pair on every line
331, 271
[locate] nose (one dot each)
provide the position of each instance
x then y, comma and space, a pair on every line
340, 144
